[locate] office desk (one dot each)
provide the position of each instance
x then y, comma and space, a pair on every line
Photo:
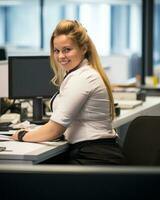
150, 107
34, 153
30, 153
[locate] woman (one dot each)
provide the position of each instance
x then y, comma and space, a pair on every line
84, 109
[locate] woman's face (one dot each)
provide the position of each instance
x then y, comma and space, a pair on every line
67, 53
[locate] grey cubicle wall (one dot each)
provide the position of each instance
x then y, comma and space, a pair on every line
116, 64
3, 79
78, 183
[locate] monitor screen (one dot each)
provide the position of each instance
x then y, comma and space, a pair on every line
3, 55
30, 78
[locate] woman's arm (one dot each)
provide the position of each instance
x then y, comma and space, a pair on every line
47, 132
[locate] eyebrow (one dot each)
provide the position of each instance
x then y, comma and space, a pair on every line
65, 47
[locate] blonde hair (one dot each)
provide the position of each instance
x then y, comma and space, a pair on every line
78, 33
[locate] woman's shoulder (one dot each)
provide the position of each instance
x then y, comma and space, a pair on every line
85, 75
89, 73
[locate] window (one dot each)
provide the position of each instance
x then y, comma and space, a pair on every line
22, 24
2, 22
96, 19
115, 27
156, 40
156, 53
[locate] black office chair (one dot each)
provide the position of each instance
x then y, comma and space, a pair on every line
142, 142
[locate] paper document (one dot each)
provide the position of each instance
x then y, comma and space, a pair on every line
5, 138
129, 104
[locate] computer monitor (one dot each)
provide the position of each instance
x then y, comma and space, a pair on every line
30, 78
3, 54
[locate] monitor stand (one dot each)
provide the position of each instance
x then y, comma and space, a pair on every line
38, 111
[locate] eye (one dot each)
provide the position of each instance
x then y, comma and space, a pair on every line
66, 50
56, 51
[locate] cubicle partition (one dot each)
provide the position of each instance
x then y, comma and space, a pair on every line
78, 182
3, 79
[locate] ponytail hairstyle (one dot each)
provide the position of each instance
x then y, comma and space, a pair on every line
75, 31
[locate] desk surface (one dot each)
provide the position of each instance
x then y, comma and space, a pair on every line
150, 107
31, 153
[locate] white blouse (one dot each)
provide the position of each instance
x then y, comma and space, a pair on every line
82, 106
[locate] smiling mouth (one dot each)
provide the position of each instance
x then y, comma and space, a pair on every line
64, 62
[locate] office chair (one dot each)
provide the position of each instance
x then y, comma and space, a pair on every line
142, 142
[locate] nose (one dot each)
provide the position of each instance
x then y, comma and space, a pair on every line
61, 54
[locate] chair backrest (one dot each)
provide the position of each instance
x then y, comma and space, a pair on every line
142, 142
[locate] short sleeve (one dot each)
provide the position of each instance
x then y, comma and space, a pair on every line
73, 94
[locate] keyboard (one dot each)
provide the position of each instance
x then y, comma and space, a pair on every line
5, 126
129, 104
